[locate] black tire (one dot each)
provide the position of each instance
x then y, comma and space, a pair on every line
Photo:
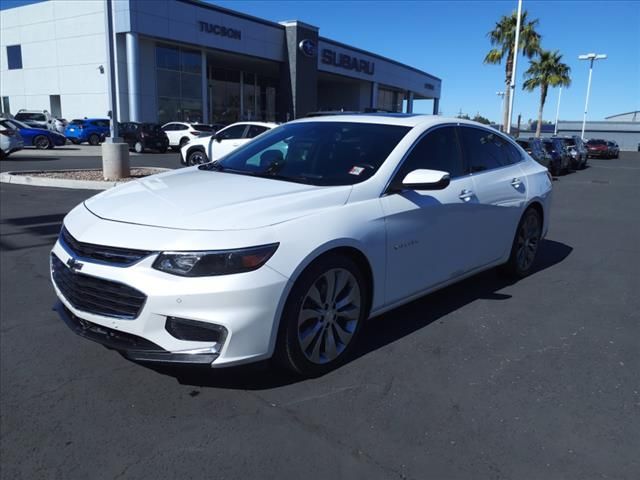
197, 157
94, 139
138, 147
41, 142
163, 149
183, 142
289, 351
75, 141
515, 267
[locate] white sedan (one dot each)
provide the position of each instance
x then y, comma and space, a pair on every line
209, 148
287, 245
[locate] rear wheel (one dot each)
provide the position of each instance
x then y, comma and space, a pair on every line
525, 245
41, 142
323, 316
138, 147
163, 149
94, 139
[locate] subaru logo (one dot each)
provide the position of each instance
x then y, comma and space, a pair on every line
308, 48
73, 264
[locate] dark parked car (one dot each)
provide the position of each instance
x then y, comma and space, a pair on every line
92, 130
534, 147
35, 137
614, 149
556, 148
144, 136
577, 150
598, 148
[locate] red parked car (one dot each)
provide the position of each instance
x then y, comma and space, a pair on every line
597, 148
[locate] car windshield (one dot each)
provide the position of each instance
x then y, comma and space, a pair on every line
317, 153
77, 122
39, 117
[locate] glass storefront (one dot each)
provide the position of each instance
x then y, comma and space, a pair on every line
390, 100
179, 80
235, 96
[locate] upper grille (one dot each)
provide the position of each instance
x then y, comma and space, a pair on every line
101, 253
96, 295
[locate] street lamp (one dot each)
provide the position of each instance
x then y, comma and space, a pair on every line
501, 95
591, 57
555, 128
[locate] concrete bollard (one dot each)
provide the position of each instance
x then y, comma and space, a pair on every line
115, 160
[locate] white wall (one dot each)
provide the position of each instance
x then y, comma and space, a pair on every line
62, 45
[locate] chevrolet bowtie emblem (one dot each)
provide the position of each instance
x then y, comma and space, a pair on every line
73, 264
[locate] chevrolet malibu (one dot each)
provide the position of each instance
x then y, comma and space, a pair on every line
286, 246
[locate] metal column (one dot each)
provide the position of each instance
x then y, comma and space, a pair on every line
205, 89
436, 106
133, 83
410, 103
374, 94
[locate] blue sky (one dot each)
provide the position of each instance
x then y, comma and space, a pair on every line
448, 39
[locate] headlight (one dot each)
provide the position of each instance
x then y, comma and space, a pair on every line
216, 262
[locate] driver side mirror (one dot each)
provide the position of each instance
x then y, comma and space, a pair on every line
217, 137
423, 179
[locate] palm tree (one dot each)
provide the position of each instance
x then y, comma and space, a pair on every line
503, 37
544, 72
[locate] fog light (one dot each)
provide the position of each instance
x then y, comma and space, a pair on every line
192, 330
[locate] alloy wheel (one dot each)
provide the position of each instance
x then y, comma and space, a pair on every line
329, 316
197, 158
41, 142
528, 241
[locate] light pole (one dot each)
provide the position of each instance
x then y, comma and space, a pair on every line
591, 57
513, 70
501, 95
555, 129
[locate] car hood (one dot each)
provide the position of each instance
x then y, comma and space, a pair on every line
193, 199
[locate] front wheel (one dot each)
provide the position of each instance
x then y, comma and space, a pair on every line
323, 316
41, 142
197, 157
525, 245
94, 139
138, 147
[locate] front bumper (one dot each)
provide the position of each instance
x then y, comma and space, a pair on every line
246, 305
131, 346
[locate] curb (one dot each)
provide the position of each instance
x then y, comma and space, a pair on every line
23, 178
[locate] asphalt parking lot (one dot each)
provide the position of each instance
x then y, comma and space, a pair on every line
538, 379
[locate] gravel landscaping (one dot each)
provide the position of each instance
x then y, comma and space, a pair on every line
96, 174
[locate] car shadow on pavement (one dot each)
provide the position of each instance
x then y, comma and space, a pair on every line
378, 332
44, 227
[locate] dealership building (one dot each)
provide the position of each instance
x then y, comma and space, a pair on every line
192, 61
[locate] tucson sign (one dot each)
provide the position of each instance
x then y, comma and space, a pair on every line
220, 30
342, 60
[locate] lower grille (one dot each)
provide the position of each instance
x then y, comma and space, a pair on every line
96, 295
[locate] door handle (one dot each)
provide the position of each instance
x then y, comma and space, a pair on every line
466, 195
516, 182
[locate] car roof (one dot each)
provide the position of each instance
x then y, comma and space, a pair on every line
400, 119
259, 124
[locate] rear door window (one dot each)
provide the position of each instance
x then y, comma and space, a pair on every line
486, 150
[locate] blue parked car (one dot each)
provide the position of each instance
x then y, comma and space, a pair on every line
92, 130
36, 137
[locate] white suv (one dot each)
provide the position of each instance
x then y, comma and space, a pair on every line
36, 119
181, 133
210, 148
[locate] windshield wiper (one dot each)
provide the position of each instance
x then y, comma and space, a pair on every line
215, 165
